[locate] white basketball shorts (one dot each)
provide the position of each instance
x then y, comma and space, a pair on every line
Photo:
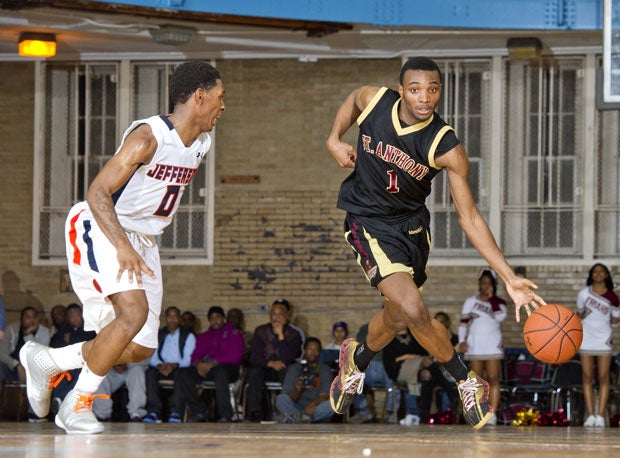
93, 268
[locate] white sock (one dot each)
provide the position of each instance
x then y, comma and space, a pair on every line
69, 357
88, 381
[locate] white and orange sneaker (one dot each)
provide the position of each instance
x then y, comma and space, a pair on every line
42, 374
76, 415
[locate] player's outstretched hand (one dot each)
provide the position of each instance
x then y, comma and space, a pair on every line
521, 290
344, 153
129, 260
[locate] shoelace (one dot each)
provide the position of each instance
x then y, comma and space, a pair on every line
355, 383
85, 401
469, 388
55, 379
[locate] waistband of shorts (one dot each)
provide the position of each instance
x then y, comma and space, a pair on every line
395, 219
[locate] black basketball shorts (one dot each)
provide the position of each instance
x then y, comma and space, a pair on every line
384, 246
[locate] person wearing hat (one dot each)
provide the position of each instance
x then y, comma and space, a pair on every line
217, 358
340, 331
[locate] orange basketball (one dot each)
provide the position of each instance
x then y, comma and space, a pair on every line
553, 333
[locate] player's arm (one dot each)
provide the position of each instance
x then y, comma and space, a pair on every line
349, 111
475, 227
137, 149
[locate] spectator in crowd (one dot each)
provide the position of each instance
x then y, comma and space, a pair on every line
58, 314
275, 346
174, 350
480, 335
403, 357
16, 335
301, 332
217, 358
599, 309
434, 376
189, 322
71, 332
340, 331
2, 319
132, 376
236, 318
305, 390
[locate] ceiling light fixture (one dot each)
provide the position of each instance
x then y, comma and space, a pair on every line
524, 48
37, 44
172, 35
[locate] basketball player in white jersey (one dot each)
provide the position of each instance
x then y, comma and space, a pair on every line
113, 259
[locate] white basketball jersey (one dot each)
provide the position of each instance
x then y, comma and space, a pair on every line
150, 198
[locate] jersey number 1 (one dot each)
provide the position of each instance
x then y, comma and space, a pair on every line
393, 186
167, 202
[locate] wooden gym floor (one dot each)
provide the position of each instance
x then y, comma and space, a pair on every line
20, 439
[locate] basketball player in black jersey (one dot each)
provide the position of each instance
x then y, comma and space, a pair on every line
402, 145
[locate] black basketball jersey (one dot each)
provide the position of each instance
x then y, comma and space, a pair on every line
395, 162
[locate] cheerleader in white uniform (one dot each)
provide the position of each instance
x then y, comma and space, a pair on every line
480, 337
598, 308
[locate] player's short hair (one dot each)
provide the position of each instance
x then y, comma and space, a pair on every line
190, 76
172, 307
419, 63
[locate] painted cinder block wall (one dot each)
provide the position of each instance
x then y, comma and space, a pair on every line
280, 237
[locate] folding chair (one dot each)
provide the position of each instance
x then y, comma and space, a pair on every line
567, 389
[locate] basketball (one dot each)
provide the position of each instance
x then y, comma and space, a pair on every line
553, 333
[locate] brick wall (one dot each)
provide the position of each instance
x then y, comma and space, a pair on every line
280, 237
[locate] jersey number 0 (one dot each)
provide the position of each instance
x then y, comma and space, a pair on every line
167, 202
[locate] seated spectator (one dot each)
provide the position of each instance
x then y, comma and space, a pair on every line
340, 331
236, 318
301, 332
275, 346
130, 375
58, 315
71, 332
189, 322
16, 335
2, 319
402, 358
217, 357
305, 391
174, 350
433, 376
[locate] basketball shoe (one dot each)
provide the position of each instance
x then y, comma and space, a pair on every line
42, 374
76, 415
349, 381
474, 393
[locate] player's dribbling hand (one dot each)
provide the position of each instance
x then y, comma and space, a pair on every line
521, 291
129, 260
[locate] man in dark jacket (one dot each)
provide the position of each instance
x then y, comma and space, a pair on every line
275, 345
